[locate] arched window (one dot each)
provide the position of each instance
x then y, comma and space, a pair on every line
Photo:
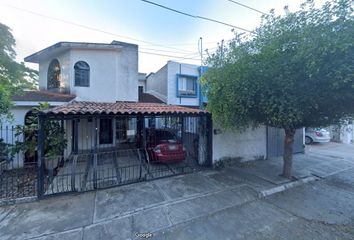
53, 77
82, 74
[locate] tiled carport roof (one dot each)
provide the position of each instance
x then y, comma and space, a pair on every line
120, 108
42, 96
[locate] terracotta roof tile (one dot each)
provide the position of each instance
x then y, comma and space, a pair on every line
120, 108
43, 96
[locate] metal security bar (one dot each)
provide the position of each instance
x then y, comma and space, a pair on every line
105, 151
18, 172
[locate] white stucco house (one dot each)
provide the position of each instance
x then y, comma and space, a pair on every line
94, 83
112, 72
71, 71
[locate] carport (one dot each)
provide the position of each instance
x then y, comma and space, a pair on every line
110, 144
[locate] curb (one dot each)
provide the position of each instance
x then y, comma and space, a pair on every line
286, 186
18, 200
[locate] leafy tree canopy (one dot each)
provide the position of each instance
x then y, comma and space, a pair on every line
14, 76
296, 70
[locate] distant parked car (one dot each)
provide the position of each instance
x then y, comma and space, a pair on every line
316, 135
164, 147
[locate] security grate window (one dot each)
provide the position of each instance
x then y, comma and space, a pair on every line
82, 74
53, 75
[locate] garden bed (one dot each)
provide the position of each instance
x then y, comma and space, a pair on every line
18, 183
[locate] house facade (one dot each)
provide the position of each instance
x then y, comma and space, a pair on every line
72, 71
177, 84
95, 72
99, 131
80, 71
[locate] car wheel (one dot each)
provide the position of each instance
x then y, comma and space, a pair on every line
308, 140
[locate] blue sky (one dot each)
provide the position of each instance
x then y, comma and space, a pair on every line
156, 30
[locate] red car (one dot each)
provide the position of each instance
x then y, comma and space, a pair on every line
163, 147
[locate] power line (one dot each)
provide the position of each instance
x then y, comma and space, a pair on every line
196, 16
167, 51
90, 28
166, 55
183, 44
190, 53
246, 6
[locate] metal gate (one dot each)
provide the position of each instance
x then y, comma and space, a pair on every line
275, 142
126, 149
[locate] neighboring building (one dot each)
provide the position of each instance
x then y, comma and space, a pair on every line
142, 82
179, 84
342, 133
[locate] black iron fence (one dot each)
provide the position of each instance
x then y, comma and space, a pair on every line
108, 151
18, 171
83, 153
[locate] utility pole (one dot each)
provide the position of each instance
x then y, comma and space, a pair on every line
201, 73
201, 51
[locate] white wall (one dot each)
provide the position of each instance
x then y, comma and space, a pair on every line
8, 129
18, 113
8, 134
248, 144
142, 84
113, 73
142, 81
175, 68
156, 84
127, 73
102, 75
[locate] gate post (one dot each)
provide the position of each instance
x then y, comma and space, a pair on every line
209, 129
95, 155
182, 129
40, 160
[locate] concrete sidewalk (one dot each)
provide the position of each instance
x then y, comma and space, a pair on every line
161, 205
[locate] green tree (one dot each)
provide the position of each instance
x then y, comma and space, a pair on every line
296, 71
54, 142
14, 76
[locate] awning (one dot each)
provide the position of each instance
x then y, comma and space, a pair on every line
121, 108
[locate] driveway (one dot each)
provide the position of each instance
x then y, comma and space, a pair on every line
331, 149
213, 204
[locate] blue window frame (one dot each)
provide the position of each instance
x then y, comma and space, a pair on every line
187, 86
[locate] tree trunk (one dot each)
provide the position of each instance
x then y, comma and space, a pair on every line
288, 152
